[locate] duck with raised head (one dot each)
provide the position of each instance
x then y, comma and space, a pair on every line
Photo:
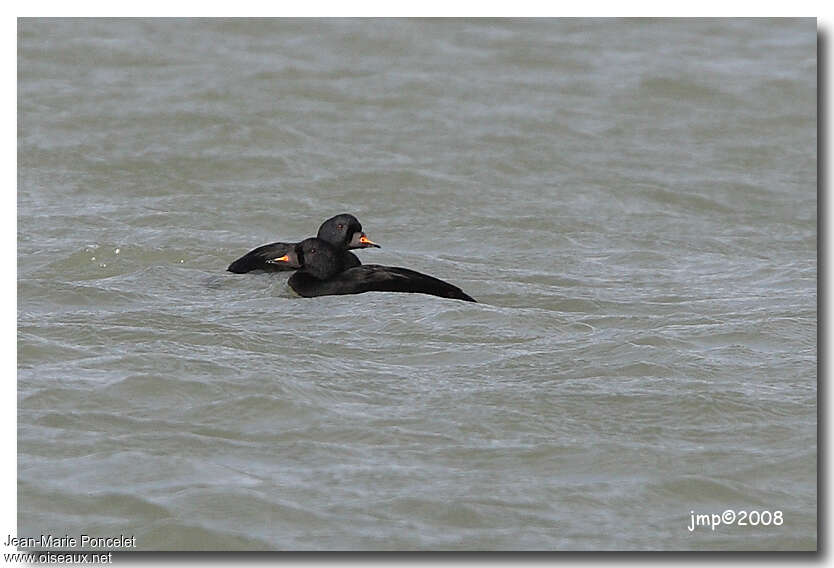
321, 272
343, 232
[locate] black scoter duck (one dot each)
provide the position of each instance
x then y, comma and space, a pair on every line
321, 272
343, 232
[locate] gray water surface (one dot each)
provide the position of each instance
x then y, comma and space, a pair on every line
633, 204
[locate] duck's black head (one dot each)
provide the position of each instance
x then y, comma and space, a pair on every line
345, 232
315, 257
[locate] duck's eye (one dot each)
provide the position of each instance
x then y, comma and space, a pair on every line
312, 251
340, 226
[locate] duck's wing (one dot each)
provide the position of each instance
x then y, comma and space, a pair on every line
257, 259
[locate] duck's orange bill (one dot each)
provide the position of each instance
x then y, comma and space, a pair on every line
366, 241
284, 258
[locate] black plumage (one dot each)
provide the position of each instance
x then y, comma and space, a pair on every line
321, 272
343, 232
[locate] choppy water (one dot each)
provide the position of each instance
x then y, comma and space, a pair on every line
633, 203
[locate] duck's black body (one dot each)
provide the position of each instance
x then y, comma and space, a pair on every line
321, 273
343, 232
